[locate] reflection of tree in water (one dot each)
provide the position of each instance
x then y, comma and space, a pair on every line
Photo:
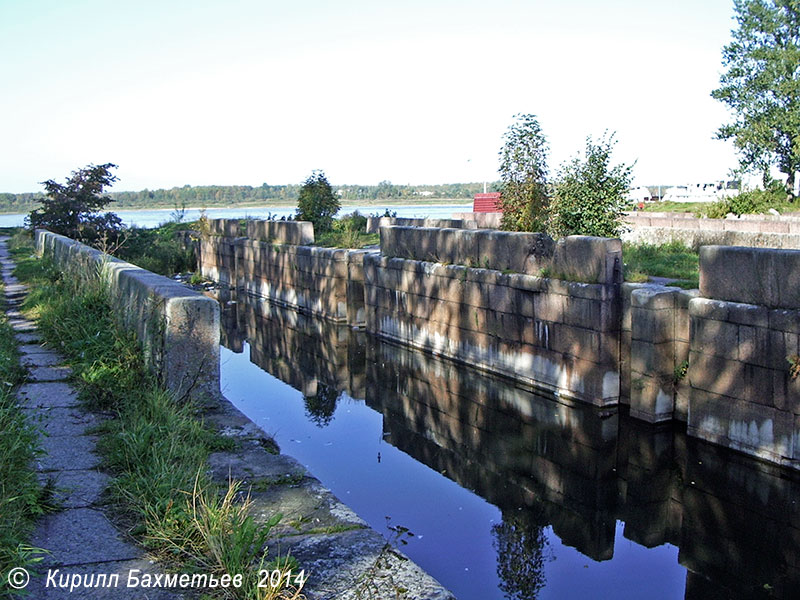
522, 550
321, 406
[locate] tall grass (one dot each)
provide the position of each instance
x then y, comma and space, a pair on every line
156, 447
673, 260
22, 497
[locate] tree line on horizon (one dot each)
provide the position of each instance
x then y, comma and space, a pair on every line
231, 195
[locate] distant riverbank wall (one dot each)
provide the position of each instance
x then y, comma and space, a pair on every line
758, 231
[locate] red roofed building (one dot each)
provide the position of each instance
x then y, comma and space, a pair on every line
483, 203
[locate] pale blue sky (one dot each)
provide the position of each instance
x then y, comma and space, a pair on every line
245, 92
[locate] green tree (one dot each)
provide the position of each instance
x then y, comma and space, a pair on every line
73, 209
590, 195
523, 176
317, 202
761, 86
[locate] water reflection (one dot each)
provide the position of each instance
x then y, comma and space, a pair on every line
623, 493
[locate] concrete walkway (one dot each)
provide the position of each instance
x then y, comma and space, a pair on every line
79, 538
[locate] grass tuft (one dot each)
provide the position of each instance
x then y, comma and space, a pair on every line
673, 260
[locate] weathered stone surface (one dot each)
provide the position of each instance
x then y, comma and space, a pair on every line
307, 507
28, 338
49, 373
80, 535
359, 564
54, 394
653, 359
40, 357
251, 463
651, 398
751, 428
65, 453
297, 233
76, 489
375, 223
59, 421
225, 227
177, 327
588, 259
766, 277
717, 338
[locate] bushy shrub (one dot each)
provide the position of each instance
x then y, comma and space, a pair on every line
157, 250
523, 174
74, 208
317, 202
590, 194
749, 203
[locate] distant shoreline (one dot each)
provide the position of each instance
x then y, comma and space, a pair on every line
389, 202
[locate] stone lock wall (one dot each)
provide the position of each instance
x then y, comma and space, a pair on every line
658, 351
556, 334
274, 262
178, 328
375, 223
556, 316
745, 328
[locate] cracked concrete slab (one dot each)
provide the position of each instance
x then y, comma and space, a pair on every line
251, 462
67, 453
49, 373
50, 394
58, 421
45, 358
81, 535
76, 489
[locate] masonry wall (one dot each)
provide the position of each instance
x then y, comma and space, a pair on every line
559, 335
375, 223
272, 263
759, 231
178, 328
486, 220
745, 328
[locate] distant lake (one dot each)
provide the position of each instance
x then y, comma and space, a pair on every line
153, 218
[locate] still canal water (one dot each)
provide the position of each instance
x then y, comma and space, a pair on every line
510, 494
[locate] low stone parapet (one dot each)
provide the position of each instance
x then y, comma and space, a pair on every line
375, 223
574, 258
767, 277
296, 233
178, 328
486, 220
225, 227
